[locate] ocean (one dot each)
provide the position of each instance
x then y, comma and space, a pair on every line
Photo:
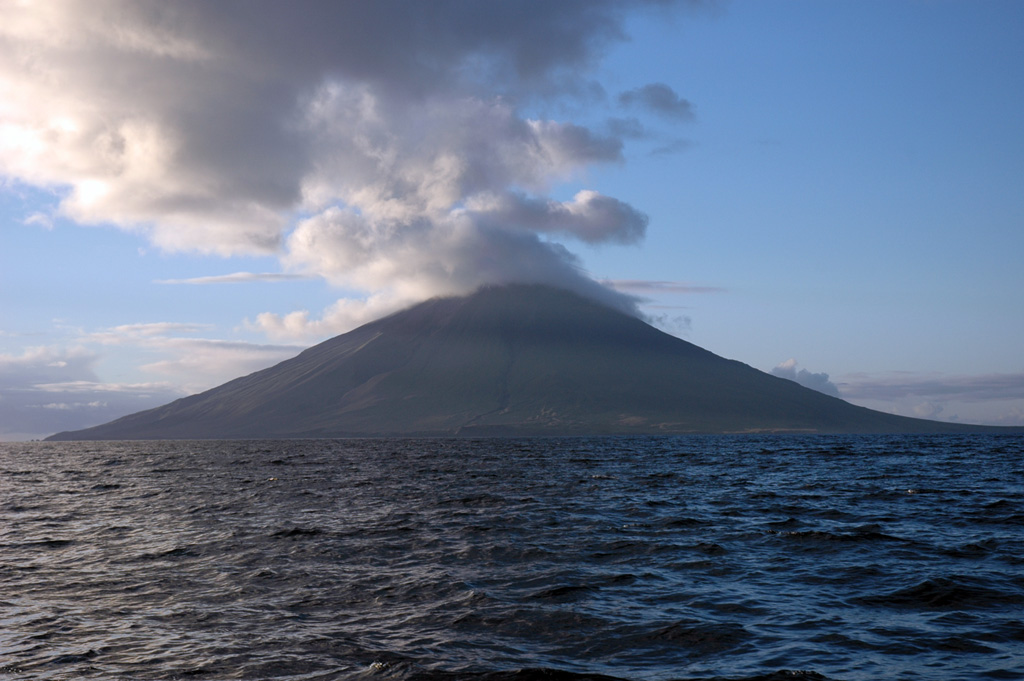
779, 557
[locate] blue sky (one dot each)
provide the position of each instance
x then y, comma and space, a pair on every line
808, 187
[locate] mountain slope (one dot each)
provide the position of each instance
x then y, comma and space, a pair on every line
513, 360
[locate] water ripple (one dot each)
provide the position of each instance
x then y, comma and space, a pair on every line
692, 558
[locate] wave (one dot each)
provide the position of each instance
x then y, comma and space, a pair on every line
957, 592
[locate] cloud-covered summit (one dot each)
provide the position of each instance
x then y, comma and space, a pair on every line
381, 145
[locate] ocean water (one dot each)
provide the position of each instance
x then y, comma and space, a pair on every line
727, 557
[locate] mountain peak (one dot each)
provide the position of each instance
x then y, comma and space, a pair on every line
520, 359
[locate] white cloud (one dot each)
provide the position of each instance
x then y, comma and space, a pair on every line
49, 389
46, 364
340, 317
134, 332
90, 387
198, 364
40, 219
928, 410
204, 127
991, 399
410, 262
382, 146
819, 382
235, 278
935, 386
194, 364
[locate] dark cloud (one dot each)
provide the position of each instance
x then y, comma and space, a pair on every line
589, 217
646, 286
413, 47
936, 387
627, 128
660, 99
673, 147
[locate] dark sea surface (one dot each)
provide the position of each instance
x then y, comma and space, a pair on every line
732, 557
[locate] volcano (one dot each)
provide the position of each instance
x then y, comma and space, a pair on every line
518, 360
